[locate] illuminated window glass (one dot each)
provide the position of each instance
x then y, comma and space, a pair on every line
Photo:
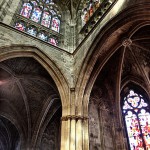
26, 10
55, 24
46, 19
42, 36
40, 16
32, 30
20, 25
53, 41
36, 15
34, 3
137, 121
89, 7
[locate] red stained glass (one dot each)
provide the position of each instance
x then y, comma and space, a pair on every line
53, 41
20, 26
137, 120
42, 12
26, 10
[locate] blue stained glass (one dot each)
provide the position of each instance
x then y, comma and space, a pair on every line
32, 31
42, 12
36, 15
47, 1
42, 36
26, 10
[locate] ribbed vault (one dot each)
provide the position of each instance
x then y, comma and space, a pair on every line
129, 64
27, 95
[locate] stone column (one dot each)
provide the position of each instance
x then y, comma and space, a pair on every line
86, 133
65, 133
74, 133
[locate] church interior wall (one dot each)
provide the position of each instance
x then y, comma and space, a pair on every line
68, 96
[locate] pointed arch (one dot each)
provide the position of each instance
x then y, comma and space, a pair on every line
136, 116
51, 68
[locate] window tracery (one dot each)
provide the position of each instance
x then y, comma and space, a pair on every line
136, 114
91, 6
39, 14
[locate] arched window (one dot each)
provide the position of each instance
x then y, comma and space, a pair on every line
39, 18
136, 114
92, 6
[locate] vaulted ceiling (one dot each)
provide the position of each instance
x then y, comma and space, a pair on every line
27, 95
134, 57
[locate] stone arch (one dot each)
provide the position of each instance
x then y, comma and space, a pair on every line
99, 53
102, 49
49, 65
51, 99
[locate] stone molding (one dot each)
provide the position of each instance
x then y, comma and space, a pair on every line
74, 117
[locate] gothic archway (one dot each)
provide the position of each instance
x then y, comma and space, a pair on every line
30, 97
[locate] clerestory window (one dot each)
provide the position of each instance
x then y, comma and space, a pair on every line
39, 18
136, 114
91, 7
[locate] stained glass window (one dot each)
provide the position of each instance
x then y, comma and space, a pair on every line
36, 15
137, 121
90, 7
46, 19
32, 30
26, 10
42, 36
20, 25
55, 24
53, 41
40, 16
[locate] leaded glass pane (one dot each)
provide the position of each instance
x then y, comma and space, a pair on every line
36, 15
53, 41
46, 19
26, 10
55, 24
43, 12
34, 3
133, 131
32, 31
53, 12
20, 26
137, 120
144, 118
42, 36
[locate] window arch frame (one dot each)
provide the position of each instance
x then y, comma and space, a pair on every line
28, 22
143, 94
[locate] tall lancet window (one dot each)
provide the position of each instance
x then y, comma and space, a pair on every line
39, 18
136, 114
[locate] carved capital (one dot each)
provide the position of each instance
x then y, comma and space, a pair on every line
127, 42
